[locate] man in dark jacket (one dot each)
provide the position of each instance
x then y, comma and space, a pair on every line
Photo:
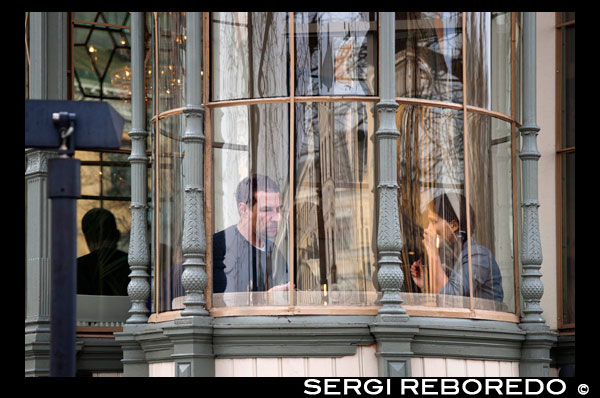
105, 270
244, 257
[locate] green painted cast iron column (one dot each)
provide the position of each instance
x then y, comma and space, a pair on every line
392, 329
139, 287
535, 357
194, 278
134, 359
192, 334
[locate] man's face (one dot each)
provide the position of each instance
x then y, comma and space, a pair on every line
266, 213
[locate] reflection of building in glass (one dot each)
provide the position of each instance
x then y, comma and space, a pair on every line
334, 198
429, 55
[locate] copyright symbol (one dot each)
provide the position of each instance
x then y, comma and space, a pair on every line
583, 389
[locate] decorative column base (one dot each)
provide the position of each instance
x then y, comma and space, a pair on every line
134, 359
535, 350
393, 347
37, 354
192, 339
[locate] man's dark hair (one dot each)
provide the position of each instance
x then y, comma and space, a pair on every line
99, 226
442, 205
247, 188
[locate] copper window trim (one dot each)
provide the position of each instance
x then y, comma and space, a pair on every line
412, 310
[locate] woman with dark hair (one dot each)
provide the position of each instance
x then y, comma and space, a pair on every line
447, 227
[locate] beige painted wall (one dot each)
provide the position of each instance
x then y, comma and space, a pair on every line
161, 369
361, 364
546, 110
449, 367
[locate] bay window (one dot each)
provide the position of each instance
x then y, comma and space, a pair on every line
290, 106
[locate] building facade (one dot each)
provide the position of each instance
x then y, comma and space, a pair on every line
423, 165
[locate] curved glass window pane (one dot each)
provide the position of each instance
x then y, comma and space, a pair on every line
169, 199
501, 53
249, 55
334, 202
518, 67
251, 205
478, 31
171, 61
428, 55
454, 249
490, 198
432, 180
489, 60
336, 53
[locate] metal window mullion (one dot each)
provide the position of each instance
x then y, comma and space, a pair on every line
513, 147
292, 158
466, 158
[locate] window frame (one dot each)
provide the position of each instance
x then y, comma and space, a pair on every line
561, 153
292, 99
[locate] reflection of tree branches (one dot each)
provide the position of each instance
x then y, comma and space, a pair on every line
430, 158
429, 56
261, 84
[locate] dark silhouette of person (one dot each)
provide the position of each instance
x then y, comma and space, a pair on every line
105, 270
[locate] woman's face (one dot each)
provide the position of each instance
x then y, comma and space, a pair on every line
440, 226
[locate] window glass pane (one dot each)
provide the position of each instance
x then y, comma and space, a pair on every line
170, 217
429, 55
171, 61
478, 31
251, 205
568, 101
90, 177
432, 180
102, 71
102, 63
334, 203
116, 175
249, 55
489, 60
336, 53
500, 48
490, 198
568, 237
